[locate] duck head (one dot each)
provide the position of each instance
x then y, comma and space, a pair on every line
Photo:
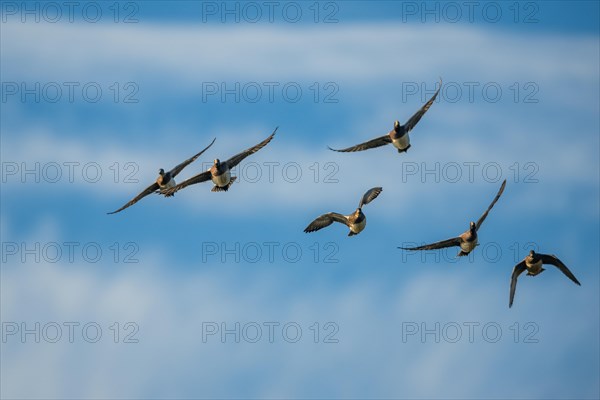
531, 256
472, 227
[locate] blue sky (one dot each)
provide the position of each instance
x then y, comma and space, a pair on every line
520, 101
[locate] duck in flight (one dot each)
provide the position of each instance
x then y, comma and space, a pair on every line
467, 240
220, 172
532, 263
164, 181
355, 221
398, 136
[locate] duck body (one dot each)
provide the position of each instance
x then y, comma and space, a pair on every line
356, 222
400, 138
468, 242
165, 182
534, 263
220, 174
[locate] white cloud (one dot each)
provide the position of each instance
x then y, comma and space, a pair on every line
362, 52
460, 133
169, 307
277, 185
169, 302
480, 132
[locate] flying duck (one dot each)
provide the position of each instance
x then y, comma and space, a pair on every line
164, 181
220, 172
398, 136
467, 240
533, 264
355, 221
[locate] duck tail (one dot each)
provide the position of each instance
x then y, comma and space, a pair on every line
224, 188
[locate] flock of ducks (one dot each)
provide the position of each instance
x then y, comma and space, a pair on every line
220, 175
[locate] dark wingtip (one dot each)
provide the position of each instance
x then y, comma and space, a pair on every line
332, 149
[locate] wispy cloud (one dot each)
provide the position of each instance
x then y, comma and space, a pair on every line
357, 52
170, 307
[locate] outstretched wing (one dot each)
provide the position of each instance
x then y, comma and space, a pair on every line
419, 114
325, 220
201, 177
369, 196
552, 259
371, 144
235, 160
437, 245
485, 214
150, 189
517, 270
187, 162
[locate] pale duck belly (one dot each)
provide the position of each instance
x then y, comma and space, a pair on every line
359, 226
167, 185
467, 247
402, 142
223, 179
534, 268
